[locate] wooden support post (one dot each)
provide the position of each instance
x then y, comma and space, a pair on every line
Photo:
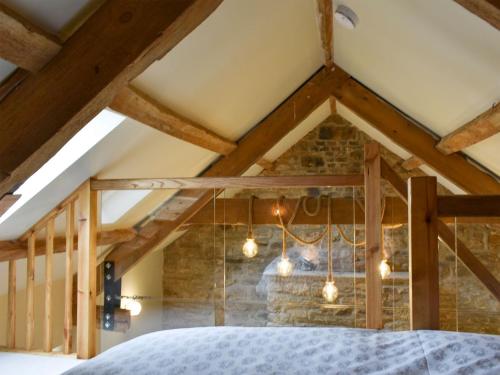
423, 253
11, 309
49, 254
87, 243
373, 230
68, 285
30, 291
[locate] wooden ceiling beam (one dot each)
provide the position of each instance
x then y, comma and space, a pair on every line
11, 82
411, 163
482, 127
23, 44
250, 149
401, 130
325, 13
117, 43
137, 105
7, 201
12, 250
244, 182
488, 10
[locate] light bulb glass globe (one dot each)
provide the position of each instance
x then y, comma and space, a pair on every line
385, 269
133, 306
330, 291
250, 248
285, 267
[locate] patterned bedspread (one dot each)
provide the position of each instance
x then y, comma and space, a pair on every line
304, 351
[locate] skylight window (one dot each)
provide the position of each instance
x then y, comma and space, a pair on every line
74, 149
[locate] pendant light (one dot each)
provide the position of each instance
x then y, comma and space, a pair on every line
330, 290
250, 247
285, 267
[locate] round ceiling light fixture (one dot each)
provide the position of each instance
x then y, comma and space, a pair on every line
346, 17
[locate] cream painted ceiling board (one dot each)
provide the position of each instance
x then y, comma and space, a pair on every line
50, 15
160, 155
238, 65
373, 133
487, 152
6, 68
433, 60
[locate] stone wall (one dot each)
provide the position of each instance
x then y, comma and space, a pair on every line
208, 281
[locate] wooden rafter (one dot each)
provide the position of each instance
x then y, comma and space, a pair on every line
139, 106
482, 127
488, 10
250, 149
23, 44
448, 237
85, 76
411, 163
390, 122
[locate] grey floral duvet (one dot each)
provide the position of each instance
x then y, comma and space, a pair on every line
304, 351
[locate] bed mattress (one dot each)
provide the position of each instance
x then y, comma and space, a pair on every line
295, 350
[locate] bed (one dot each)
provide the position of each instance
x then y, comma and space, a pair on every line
295, 350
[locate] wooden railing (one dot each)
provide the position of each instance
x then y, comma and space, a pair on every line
86, 199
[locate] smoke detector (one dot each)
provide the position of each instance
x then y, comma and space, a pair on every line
346, 17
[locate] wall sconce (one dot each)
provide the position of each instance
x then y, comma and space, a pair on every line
133, 306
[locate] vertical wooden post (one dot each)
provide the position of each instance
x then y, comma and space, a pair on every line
423, 253
87, 239
30, 286
373, 230
11, 309
49, 254
68, 285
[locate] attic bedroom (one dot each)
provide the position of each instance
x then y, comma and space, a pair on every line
249, 187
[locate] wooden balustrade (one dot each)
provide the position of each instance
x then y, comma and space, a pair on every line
86, 276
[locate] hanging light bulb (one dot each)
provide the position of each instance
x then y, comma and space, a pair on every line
330, 291
250, 247
285, 267
385, 269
